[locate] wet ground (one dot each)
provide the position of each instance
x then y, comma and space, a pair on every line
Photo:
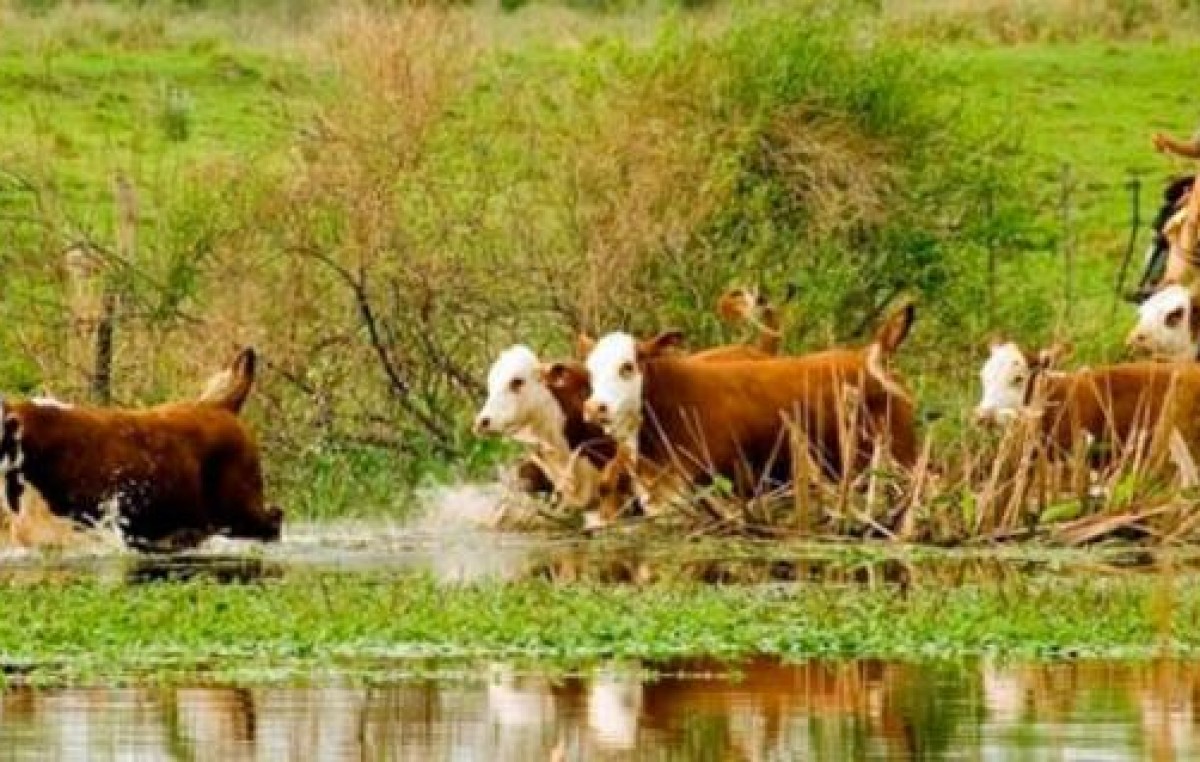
757, 710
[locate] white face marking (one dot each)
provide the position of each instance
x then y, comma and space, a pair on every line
616, 400
1163, 328
517, 398
1005, 376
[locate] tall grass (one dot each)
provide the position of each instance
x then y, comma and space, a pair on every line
1030, 21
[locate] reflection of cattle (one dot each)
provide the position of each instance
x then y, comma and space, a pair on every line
766, 710
216, 723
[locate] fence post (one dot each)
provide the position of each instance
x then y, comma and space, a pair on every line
1068, 242
989, 212
1134, 185
125, 200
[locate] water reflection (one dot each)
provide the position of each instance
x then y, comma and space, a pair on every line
815, 710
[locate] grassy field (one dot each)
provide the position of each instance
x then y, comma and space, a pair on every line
207, 112
1090, 107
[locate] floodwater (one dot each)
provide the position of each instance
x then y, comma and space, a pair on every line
698, 710
461, 555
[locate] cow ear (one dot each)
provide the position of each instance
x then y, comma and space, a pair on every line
1052, 355
895, 329
734, 304
584, 344
660, 344
553, 374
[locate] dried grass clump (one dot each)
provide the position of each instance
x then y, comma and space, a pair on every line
1011, 22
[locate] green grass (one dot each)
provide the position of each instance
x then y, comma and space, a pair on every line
1092, 106
76, 111
313, 621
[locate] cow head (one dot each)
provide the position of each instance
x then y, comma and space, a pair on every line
616, 365
517, 397
1168, 325
1007, 378
738, 304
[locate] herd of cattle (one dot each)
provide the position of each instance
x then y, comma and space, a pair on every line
639, 425
630, 426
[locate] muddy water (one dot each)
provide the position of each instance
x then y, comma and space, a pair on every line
765, 710
467, 556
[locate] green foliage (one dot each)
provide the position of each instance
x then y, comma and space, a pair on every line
320, 619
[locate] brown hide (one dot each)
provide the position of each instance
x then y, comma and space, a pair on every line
568, 382
1112, 403
180, 472
724, 417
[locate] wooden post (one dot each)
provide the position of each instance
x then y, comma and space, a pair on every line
125, 201
1068, 243
989, 212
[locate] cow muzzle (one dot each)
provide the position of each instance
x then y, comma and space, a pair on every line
482, 426
1137, 342
597, 412
989, 416
986, 416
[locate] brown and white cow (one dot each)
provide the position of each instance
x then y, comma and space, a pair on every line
1114, 405
176, 473
541, 405
684, 421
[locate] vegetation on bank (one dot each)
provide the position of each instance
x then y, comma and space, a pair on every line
311, 622
348, 194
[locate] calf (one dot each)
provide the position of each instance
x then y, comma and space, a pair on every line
1113, 405
175, 473
729, 419
542, 407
